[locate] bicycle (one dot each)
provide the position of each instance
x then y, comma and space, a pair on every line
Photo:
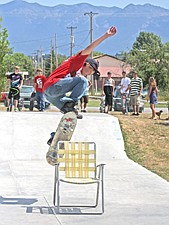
14, 92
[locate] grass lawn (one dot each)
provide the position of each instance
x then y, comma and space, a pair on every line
147, 141
96, 103
160, 105
93, 103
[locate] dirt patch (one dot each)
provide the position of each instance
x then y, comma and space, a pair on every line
147, 141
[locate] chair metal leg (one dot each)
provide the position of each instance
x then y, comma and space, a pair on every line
58, 196
102, 185
56, 181
97, 195
54, 194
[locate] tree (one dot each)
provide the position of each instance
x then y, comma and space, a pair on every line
4, 49
148, 57
60, 59
18, 59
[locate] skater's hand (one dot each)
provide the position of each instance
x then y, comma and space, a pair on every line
112, 31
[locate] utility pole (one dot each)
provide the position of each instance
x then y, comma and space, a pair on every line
51, 58
43, 63
41, 58
71, 38
56, 51
91, 14
34, 61
37, 58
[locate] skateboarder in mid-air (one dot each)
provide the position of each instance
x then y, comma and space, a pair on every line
70, 77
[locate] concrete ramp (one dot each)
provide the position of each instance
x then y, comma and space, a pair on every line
133, 195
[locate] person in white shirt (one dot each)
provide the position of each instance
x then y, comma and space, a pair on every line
125, 84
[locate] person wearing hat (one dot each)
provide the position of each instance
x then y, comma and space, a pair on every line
15, 81
108, 91
64, 79
39, 81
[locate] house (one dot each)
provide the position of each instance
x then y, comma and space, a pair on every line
112, 64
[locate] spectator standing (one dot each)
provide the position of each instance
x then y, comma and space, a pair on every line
85, 98
108, 91
136, 86
152, 95
125, 86
15, 81
39, 81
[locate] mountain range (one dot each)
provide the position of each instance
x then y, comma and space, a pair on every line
33, 27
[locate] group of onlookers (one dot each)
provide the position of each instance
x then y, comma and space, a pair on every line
15, 82
130, 87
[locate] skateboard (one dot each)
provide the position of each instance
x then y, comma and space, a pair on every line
63, 132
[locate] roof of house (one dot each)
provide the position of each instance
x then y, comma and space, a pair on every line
116, 71
102, 56
115, 66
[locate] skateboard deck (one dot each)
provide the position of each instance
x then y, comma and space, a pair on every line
63, 132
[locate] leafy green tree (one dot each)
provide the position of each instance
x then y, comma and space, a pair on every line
148, 56
4, 49
18, 59
97, 53
147, 40
60, 57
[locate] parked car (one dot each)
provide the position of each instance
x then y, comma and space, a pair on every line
2, 96
144, 93
33, 102
117, 103
25, 97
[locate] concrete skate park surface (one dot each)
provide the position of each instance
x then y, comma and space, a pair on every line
133, 195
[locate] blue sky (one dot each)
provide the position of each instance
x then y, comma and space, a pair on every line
108, 3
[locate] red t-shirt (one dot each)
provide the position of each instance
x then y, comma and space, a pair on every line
70, 66
39, 80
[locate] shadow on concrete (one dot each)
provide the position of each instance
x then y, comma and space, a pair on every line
17, 201
53, 210
40, 210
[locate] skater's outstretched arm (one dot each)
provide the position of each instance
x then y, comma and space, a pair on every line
94, 44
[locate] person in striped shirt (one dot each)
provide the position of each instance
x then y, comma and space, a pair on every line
136, 86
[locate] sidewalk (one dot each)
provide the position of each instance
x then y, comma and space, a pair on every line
133, 195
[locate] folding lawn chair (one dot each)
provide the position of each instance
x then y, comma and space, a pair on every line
77, 165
